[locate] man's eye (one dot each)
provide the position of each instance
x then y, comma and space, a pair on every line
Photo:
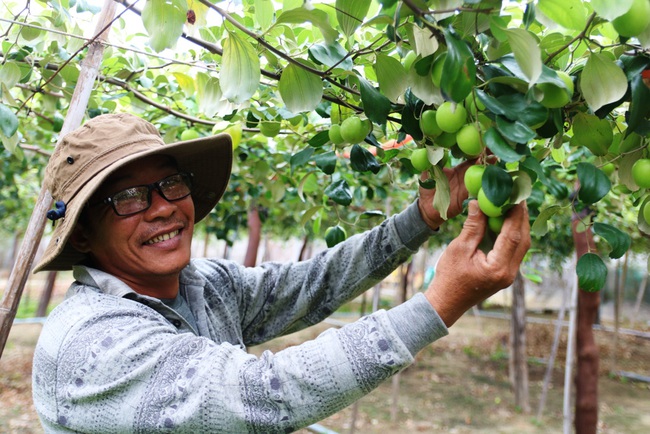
128, 195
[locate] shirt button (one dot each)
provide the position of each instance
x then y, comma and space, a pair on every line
177, 323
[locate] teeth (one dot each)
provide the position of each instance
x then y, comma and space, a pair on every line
161, 238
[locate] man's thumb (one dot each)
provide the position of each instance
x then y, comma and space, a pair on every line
475, 225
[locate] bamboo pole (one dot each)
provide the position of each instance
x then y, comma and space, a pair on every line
36, 225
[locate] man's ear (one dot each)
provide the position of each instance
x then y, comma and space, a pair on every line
79, 240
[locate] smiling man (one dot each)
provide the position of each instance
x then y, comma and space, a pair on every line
150, 340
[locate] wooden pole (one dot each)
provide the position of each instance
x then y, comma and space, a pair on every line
518, 362
36, 225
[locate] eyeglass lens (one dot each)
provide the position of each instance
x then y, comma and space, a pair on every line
138, 198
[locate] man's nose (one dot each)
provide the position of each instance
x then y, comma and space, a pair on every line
160, 207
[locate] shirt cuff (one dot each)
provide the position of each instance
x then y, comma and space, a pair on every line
417, 323
412, 230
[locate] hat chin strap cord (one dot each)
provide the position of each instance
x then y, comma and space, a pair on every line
58, 212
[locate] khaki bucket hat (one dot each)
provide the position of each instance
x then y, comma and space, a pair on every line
86, 157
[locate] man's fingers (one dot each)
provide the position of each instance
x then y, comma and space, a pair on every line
474, 227
514, 239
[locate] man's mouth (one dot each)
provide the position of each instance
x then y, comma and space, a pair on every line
163, 237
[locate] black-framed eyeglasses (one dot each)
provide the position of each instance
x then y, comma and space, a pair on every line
136, 199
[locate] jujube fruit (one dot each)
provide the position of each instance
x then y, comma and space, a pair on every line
641, 172
419, 160
451, 116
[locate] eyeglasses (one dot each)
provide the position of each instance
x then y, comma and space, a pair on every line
136, 199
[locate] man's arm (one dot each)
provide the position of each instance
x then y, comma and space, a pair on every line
281, 298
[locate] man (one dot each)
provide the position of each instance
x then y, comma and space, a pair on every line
148, 340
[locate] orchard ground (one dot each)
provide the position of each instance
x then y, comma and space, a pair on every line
457, 385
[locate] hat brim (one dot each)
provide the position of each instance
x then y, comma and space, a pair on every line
208, 158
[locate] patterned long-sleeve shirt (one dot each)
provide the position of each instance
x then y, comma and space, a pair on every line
111, 360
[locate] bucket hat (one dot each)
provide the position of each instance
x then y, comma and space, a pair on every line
87, 156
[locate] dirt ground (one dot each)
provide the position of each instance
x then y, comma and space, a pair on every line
457, 385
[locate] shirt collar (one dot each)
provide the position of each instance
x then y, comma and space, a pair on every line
109, 284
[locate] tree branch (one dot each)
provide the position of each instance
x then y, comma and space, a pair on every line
579, 36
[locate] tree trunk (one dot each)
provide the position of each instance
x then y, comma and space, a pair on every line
36, 226
304, 249
586, 380
10, 259
46, 295
254, 237
518, 361
639, 299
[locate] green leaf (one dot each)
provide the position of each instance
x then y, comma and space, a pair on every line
424, 89
617, 239
609, 9
391, 76
361, 160
163, 20
308, 214
639, 107
10, 143
493, 104
593, 133
326, 162
529, 15
240, 69
594, 184
314, 16
540, 225
533, 167
570, 14
496, 184
641, 223
10, 74
425, 43
319, 139
602, 81
375, 105
442, 198
339, 191
499, 147
264, 11
301, 158
522, 187
300, 90
8, 121
305, 185
527, 53
208, 94
373, 213
515, 131
592, 272
331, 55
459, 70
350, 14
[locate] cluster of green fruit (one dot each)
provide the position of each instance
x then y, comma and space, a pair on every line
351, 131
641, 176
474, 184
449, 125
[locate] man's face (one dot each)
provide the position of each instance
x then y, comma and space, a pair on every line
146, 246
